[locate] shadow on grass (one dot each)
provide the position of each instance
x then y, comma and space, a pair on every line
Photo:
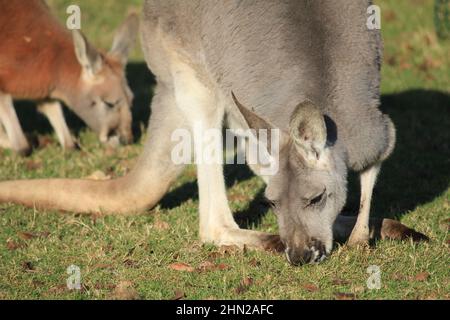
233, 174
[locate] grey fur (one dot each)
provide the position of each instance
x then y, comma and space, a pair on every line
275, 55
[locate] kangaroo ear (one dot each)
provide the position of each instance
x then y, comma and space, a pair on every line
88, 57
257, 123
308, 130
253, 120
125, 38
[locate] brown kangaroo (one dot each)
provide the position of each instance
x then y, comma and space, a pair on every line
43, 61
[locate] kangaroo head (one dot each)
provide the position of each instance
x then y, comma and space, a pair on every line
103, 97
308, 190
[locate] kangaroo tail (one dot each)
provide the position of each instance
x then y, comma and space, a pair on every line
125, 195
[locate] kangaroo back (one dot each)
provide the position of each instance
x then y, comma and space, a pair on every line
34, 43
275, 54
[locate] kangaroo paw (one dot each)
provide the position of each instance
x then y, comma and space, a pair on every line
245, 238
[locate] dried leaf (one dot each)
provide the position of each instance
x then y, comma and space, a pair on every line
214, 255
445, 224
391, 60
26, 235
238, 197
240, 289
244, 285
344, 296
340, 282
102, 286
247, 281
130, 263
398, 277
58, 289
179, 295
44, 141
110, 150
423, 276
32, 165
390, 15
125, 291
254, 263
358, 289
180, 266
429, 63
310, 287
405, 66
430, 39
161, 225
210, 266
206, 266
43, 234
38, 284
222, 266
12, 245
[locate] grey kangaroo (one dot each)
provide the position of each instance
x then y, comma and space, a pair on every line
308, 68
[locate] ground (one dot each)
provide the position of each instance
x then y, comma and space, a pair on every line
157, 255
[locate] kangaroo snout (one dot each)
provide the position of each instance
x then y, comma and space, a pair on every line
126, 138
315, 252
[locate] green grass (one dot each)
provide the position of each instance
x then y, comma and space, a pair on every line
413, 187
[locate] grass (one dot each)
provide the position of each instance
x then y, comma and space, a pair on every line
134, 253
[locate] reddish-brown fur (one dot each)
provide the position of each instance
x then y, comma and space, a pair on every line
37, 52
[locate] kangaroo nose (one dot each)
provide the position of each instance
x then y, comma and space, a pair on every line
313, 254
125, 140
125, 135
298, 257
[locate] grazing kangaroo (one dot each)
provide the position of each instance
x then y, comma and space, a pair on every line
308, 68
41, 60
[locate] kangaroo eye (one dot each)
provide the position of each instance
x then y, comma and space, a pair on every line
273, 203
109, 104
317, 200
93, 103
